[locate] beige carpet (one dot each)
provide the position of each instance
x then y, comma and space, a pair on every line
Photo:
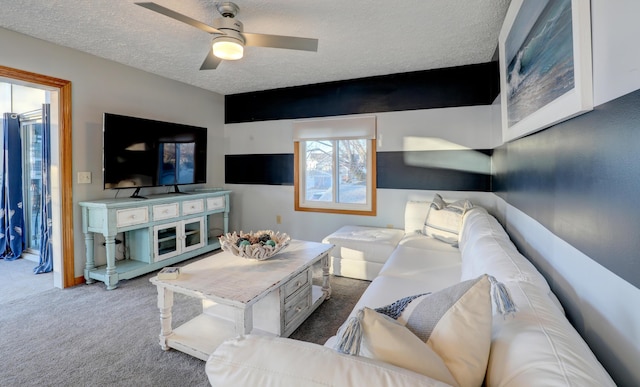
18, 281
87, 335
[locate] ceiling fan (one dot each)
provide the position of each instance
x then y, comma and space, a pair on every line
229, 38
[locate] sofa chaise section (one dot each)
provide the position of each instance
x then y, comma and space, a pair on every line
361, 251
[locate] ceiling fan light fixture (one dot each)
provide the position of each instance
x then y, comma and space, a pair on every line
228, 48
229, 39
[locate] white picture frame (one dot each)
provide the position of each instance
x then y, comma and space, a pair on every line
542, 82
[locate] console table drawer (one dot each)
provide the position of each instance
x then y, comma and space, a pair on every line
296, 283
297, 307
190, 207
132, 216
216, 203
165, 211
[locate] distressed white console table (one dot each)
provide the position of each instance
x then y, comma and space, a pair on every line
159, 231
241, 296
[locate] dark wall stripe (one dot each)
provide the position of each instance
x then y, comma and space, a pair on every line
449, 87
463, 170
445, 170
581, 180
267, 169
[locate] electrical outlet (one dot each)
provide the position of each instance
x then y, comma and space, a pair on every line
278, 219
84, 177
389, 226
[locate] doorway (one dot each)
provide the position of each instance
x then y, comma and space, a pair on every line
26, 104
62, 203
27, 109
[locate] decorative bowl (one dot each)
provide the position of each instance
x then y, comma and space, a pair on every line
259, 245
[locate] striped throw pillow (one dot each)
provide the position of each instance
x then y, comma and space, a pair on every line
444, 220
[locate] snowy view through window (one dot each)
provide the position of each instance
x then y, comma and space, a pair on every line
341, 161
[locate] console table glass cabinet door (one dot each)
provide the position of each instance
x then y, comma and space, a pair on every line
176, 238
158, 231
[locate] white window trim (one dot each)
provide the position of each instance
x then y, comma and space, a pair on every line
335, 129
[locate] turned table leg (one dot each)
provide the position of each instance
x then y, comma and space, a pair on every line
165, 304
90, 264
111, 275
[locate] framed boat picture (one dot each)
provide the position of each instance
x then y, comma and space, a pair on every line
545, 64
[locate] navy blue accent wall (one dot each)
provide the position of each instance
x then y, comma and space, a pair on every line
449, 87
581, 180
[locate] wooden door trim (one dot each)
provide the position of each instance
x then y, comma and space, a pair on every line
66, 178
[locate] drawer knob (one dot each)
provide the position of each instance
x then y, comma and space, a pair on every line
298, 284
298, 309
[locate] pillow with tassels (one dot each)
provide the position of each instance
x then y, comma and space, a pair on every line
454, 323
389, 341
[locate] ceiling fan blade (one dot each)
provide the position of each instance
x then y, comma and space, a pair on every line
278, 41
180, 17
211, 62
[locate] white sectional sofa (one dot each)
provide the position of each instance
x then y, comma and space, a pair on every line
535, 346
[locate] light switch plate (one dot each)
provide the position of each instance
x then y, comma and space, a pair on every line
84, 177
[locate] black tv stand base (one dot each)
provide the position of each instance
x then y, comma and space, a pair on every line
136, 194
177, 190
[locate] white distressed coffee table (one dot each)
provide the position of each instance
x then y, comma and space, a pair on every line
241, 296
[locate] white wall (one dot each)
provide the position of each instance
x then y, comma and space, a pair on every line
99, 86
255, 207
469, 127
616, 58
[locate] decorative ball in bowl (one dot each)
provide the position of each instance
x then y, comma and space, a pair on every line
259, 245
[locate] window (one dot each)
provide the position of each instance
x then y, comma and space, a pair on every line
335, 166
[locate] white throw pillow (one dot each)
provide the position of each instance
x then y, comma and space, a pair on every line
415, 213
387, 340
444, 220
454, 322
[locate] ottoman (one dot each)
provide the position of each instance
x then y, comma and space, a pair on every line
361, 251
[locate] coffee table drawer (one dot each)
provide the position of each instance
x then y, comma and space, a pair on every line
297, 306
296, 283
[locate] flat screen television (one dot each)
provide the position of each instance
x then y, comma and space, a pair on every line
139, 153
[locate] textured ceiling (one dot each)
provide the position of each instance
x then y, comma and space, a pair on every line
356, 38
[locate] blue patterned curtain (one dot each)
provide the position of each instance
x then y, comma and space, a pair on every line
46, 253
12, 239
